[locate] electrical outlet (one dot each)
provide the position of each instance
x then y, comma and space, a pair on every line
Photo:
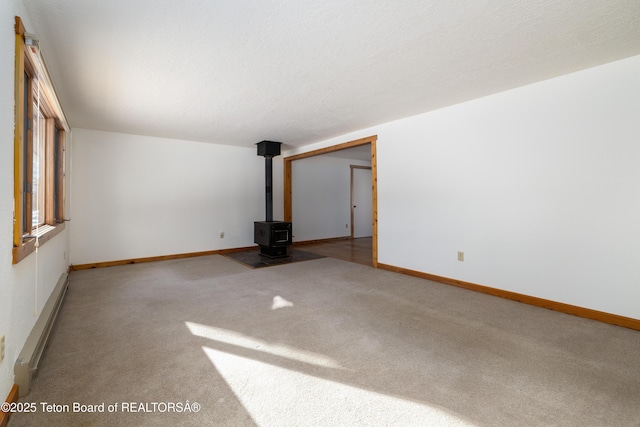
460, 256
1, 348
222, 234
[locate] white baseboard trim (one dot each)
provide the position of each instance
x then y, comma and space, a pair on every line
26, 366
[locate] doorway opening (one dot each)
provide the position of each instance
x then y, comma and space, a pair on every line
288, 185
361, 211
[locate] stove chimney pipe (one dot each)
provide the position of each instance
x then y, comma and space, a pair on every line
268, 149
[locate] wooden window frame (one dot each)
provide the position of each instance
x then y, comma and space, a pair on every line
30, 70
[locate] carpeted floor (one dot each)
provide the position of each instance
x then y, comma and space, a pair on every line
321, 343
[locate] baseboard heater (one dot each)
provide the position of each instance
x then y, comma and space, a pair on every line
26, 366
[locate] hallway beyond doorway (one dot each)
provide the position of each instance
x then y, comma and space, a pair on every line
347, 249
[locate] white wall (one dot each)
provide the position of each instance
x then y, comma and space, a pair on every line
321, 197
538, 186
137, 196
21, 295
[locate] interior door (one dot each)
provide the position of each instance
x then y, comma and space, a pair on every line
361, 197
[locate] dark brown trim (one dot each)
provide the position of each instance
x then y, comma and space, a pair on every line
61, 176
49, 171
155, 258
19, 26
11, 398
288, 202
587, 313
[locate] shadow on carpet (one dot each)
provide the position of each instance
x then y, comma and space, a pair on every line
253, 259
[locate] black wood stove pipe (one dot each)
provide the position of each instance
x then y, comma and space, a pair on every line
268, 179
268, 149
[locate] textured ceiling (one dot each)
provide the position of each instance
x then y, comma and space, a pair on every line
238, 72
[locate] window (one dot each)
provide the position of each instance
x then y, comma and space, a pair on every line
39, 147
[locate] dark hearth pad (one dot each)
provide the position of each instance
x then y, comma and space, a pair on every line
253, 259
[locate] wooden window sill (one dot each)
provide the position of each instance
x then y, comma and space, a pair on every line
29, 245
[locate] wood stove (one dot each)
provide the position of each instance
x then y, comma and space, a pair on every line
273, 236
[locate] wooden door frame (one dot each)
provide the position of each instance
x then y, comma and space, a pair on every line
352, 167
288, 198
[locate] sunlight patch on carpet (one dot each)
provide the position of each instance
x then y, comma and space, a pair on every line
241, 340
279, 302
276, 396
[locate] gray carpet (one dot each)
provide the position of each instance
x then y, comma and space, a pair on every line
323, 342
